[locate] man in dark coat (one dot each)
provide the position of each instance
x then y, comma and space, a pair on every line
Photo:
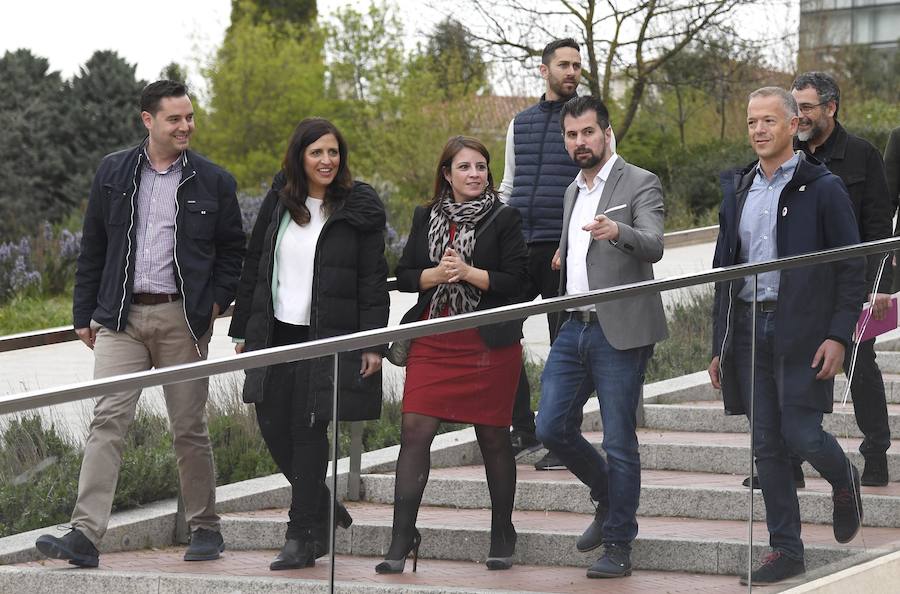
784, 205
860, 167
160, 257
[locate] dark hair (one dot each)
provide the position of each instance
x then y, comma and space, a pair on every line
826, 87
453, 146
577, 106
554, 45
155, 92
787, 100
296, 189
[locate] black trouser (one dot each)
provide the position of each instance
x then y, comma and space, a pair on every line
299, 450
544, 281
869, 403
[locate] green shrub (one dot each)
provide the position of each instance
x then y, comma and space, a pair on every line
687, 349
238, 447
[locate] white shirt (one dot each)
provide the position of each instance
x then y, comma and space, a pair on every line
583, 212
296, 258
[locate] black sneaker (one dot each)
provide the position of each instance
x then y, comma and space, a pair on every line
74, 547
775, 567
523, 443
549, 462
875, 472
206, 545
616, 562
592, 537
848, 511
799, 479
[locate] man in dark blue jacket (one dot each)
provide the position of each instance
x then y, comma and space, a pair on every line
784, 205
538, 170
160, 257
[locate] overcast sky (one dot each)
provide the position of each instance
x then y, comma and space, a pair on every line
158, 32
149, 34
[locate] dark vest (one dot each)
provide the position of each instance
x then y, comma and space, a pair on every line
543, 171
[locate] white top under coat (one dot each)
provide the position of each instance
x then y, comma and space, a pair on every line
296, 258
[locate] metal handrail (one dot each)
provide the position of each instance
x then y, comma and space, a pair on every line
375, 338
48, 336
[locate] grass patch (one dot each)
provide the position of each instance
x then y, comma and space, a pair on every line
25, 313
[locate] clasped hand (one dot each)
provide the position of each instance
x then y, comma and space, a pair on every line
452, 267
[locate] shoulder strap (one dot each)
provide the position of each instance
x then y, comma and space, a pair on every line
489, 220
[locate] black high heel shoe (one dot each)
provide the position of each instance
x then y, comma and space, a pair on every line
397, 565
503, 547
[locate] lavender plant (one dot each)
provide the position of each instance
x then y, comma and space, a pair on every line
55, 256
17, 273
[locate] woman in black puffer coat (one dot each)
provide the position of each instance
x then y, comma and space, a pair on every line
315, 268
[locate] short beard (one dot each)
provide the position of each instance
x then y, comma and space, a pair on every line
593, 161
812, 134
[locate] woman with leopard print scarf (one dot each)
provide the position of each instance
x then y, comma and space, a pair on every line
465, 253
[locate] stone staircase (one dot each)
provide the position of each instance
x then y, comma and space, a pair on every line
693, 530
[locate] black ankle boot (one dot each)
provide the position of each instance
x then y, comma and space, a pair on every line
342, 518
503, 547
298, 551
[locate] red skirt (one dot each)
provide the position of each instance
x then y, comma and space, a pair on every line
456, 377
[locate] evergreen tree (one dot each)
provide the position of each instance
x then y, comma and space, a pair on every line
105, 101
36, 159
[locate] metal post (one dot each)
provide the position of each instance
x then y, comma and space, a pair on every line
334, 471
752, 401
356, 445
182, 533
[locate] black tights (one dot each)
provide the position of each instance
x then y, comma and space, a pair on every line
414, 464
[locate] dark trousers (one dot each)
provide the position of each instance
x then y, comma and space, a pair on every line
779, 429
869, 402
299, 450
543, 281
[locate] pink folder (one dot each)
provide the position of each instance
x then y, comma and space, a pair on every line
875, 327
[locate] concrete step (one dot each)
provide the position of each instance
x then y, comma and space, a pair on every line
717, 452
696, 387
706, 415
664, 493
888, 361
548, 538
161, 571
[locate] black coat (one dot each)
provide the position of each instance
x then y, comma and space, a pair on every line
209, 241
349, 295
814, 302
499, 249
860, 167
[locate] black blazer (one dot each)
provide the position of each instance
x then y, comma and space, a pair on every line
500, 249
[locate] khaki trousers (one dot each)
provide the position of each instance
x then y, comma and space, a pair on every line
155, 336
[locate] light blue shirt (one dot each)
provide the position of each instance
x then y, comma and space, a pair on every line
757, 230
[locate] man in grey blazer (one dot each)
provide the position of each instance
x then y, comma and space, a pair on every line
612, 233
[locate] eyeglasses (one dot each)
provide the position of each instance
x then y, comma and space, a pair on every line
808, 107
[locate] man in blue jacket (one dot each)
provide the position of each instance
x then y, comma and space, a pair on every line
161, 255
538, 170
786, 204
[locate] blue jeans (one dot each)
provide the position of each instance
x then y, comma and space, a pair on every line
581, 361
779, 429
